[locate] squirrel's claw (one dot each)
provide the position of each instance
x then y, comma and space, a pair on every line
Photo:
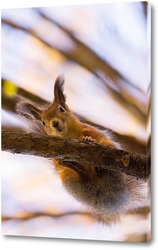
88, 138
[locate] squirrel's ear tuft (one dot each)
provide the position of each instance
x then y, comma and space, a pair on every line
59, 96
28, 110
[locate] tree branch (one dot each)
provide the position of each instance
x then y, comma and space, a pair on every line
71, 150
31, 215
109, 70
92, 62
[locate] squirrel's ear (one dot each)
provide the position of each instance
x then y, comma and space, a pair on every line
28, 110
59, 96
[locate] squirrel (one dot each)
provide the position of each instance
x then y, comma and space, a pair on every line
107, 193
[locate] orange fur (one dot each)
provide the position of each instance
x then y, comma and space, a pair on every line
107, 193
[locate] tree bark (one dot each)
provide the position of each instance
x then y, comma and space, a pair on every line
72, 150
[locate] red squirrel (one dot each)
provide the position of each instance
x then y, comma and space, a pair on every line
107, 193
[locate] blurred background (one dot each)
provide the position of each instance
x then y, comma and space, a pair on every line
103, 51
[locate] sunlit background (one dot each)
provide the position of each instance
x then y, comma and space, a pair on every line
104, 53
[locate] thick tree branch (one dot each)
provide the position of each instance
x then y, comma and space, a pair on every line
70, 150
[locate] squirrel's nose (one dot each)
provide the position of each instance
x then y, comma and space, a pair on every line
55, 123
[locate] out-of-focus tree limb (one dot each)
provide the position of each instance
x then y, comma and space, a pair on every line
98, 63
30, 215
22, 92
9, 102
93, 63
70, 150
109, 71
144, 237
145, 8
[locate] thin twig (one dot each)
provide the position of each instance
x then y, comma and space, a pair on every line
31, 215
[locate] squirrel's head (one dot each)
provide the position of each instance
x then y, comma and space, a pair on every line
55, 117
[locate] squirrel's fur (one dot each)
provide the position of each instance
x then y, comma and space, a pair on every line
108, 194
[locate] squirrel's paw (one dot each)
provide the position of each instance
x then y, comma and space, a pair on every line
88, 138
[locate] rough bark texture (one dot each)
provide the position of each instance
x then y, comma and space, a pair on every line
77, 151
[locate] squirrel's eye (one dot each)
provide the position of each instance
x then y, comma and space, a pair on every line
101, 171
61, 109
43, 123
98, 171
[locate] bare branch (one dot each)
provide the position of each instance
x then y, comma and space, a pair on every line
30, 215
9, 102
93, 63
71, 150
